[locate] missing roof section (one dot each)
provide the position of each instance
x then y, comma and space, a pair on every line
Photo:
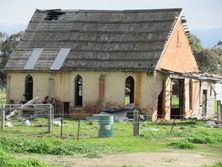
33, 58
54, 14
57, 64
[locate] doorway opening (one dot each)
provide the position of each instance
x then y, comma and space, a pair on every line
177, 98
66, 108
161, 103
204, 103
129, 90
28, 88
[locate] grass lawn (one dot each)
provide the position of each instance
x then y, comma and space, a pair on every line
175, 101
154, 137
2, 99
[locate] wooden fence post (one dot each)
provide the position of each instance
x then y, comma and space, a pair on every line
50, 119
62, 114
218, 110
2, 119
78, 130
220, 114
136, 123
173, 124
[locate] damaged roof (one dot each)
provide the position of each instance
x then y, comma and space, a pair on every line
128, 40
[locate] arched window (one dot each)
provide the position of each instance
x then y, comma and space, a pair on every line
28, 87
129, 90
78, 91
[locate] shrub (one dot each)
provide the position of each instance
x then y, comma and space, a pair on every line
182, 144
201, 140
10, 161
48, 146
217, 164
93, 155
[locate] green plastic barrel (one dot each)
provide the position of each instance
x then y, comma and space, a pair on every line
105, 126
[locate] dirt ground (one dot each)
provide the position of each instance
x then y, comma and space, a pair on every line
158, 159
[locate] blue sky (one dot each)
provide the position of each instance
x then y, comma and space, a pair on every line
204, 16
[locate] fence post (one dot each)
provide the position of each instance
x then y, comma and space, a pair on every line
136, 123
78, 129
2, 119
62, 114
218, 110
173, 124
220, 114
50, 122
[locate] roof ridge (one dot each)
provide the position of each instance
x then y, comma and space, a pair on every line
110, 11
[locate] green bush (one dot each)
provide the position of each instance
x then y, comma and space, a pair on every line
201, 140
182, 144
48, 146
217, 164
7, 160
93, 155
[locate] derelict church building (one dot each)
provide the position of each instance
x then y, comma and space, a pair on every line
95, 59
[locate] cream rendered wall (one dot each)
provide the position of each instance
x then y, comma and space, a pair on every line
17, 85
114, 87
40, 85
151, 88
65, 86
62, 86
147, 97
90, 86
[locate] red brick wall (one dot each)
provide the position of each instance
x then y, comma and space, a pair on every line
178, 55
102, 87
138, 87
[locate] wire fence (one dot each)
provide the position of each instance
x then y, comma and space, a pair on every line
41, 120
27, 118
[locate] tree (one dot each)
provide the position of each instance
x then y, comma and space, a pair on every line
196, 44
219, 43
218, 48
209, 60
7, 45
3, 37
